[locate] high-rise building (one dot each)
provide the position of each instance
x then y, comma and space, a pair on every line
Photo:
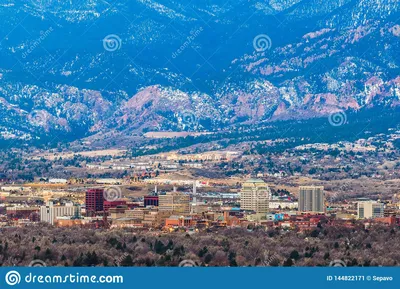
194, 188
255, 196
370, 209
312, 199
151, 201
49, 212
94, 201
177, 203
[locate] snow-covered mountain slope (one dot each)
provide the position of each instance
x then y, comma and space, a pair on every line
79, 67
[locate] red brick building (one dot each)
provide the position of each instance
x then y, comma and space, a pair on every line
94, 201
151, 201
113, 204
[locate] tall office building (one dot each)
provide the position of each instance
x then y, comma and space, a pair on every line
194, 188
49, 212
177, 203
255, 196
312, 199
370, 210
150, 201
94, 201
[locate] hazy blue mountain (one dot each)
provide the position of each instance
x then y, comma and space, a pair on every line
75, 68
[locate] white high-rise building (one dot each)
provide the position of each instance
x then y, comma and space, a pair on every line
49, 212
255, 196
311, 199
370, 210
194, 188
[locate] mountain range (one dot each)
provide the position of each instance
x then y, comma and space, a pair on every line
71, 69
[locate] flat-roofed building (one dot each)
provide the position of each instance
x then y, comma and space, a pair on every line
370, 210
137, 213
151, 201
255, 196
312, 199
179, 221
127, 223
22, 212
49, 213
175, 202
156, 218
94, 201
118, 212
107, 205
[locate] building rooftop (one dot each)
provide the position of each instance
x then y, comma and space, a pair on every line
175, 217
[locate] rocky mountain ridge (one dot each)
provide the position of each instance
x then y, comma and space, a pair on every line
83, 67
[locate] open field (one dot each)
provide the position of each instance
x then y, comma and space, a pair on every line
67, 155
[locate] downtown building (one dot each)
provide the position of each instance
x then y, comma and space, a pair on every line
175, 202
49, 213
312, 199
94, 201
107, 205
150, 201
255, 196
370, 210
23, 212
